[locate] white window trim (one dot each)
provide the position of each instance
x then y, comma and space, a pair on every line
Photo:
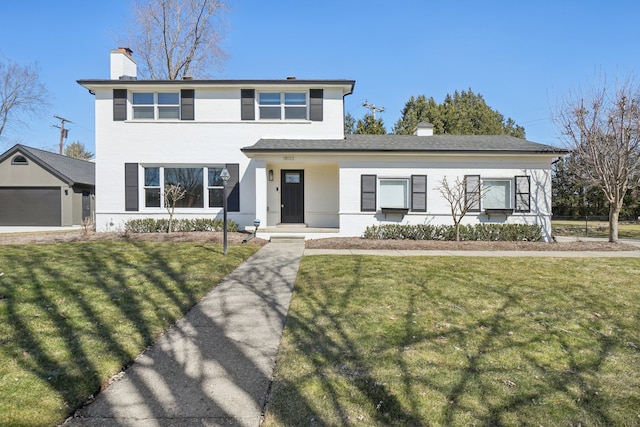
156, 107
485, 192
282, 106
205, 187
407, 183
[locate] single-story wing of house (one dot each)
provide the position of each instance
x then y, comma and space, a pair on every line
290, 164
40, 188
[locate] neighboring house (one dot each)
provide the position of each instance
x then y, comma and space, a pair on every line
291, 166
41, 188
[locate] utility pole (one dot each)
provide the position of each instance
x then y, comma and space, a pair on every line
373, 108
63, 132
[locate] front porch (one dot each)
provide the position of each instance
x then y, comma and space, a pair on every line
297, 196
294, 231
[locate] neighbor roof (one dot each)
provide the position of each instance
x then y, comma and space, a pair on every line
68, 169
407, 143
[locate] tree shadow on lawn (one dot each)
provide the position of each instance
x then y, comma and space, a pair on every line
494, 376
215, 365
62, 351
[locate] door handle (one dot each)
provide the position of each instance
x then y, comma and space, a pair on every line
282, 206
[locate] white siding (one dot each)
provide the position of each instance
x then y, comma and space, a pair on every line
215, 137
354, 222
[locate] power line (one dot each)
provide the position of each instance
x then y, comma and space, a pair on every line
63, 132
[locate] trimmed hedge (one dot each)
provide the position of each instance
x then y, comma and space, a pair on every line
152, 225
484, 232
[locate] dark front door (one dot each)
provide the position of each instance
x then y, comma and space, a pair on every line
292, 197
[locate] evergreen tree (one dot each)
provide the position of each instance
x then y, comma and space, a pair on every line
463, 113
349, 124
369, 125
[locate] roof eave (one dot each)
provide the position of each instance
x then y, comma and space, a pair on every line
347, 85
407, 151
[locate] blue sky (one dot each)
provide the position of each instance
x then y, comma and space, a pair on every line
521, 56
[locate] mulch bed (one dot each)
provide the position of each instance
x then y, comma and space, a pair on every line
358, 243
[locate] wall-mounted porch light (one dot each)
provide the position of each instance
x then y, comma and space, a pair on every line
270, 174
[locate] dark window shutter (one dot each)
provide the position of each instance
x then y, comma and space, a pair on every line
315, 104
119, 104
523, 194
472, 192
368, 184
233, 187
247, 104
419, 193
187, 111
130, 186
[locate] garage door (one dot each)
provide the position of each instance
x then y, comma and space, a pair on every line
30, 206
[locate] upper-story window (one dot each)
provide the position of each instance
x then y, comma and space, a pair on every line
282, 105
156, 105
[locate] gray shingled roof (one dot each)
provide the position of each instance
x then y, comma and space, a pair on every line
407, 143
71, 170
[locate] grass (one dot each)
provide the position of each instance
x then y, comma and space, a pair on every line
73, 314
594, 229
460, 341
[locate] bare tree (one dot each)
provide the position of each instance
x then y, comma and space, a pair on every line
172, 194
178, 38
21, 93
601, 125
461, 196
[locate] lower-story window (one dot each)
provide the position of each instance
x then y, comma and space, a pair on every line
152, 187
215, 187
394, 193
191, 179
497, 193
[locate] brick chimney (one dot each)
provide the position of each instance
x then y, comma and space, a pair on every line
424, 129
123, 67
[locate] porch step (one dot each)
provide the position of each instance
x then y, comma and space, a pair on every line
286, 238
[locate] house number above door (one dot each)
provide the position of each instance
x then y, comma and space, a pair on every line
288, 158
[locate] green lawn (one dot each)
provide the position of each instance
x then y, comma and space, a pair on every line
460, 341
73, 314
626, 230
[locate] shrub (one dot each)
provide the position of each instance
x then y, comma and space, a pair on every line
152, 225
484, 232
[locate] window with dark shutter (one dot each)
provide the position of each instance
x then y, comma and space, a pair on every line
130, 186
472, 192
187, 111
419, 193
368, 185
247, 104
119, 104
315, 104
233, 187
523, 193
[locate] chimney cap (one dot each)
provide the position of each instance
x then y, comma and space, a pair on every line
126, 50
292, 78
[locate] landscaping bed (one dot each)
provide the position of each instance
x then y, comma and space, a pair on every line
82, 236
358, 243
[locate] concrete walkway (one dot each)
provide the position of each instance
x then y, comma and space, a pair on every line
214, 367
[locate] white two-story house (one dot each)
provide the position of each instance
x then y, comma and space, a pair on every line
291, 165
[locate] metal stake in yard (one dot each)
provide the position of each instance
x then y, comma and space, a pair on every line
224, 175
